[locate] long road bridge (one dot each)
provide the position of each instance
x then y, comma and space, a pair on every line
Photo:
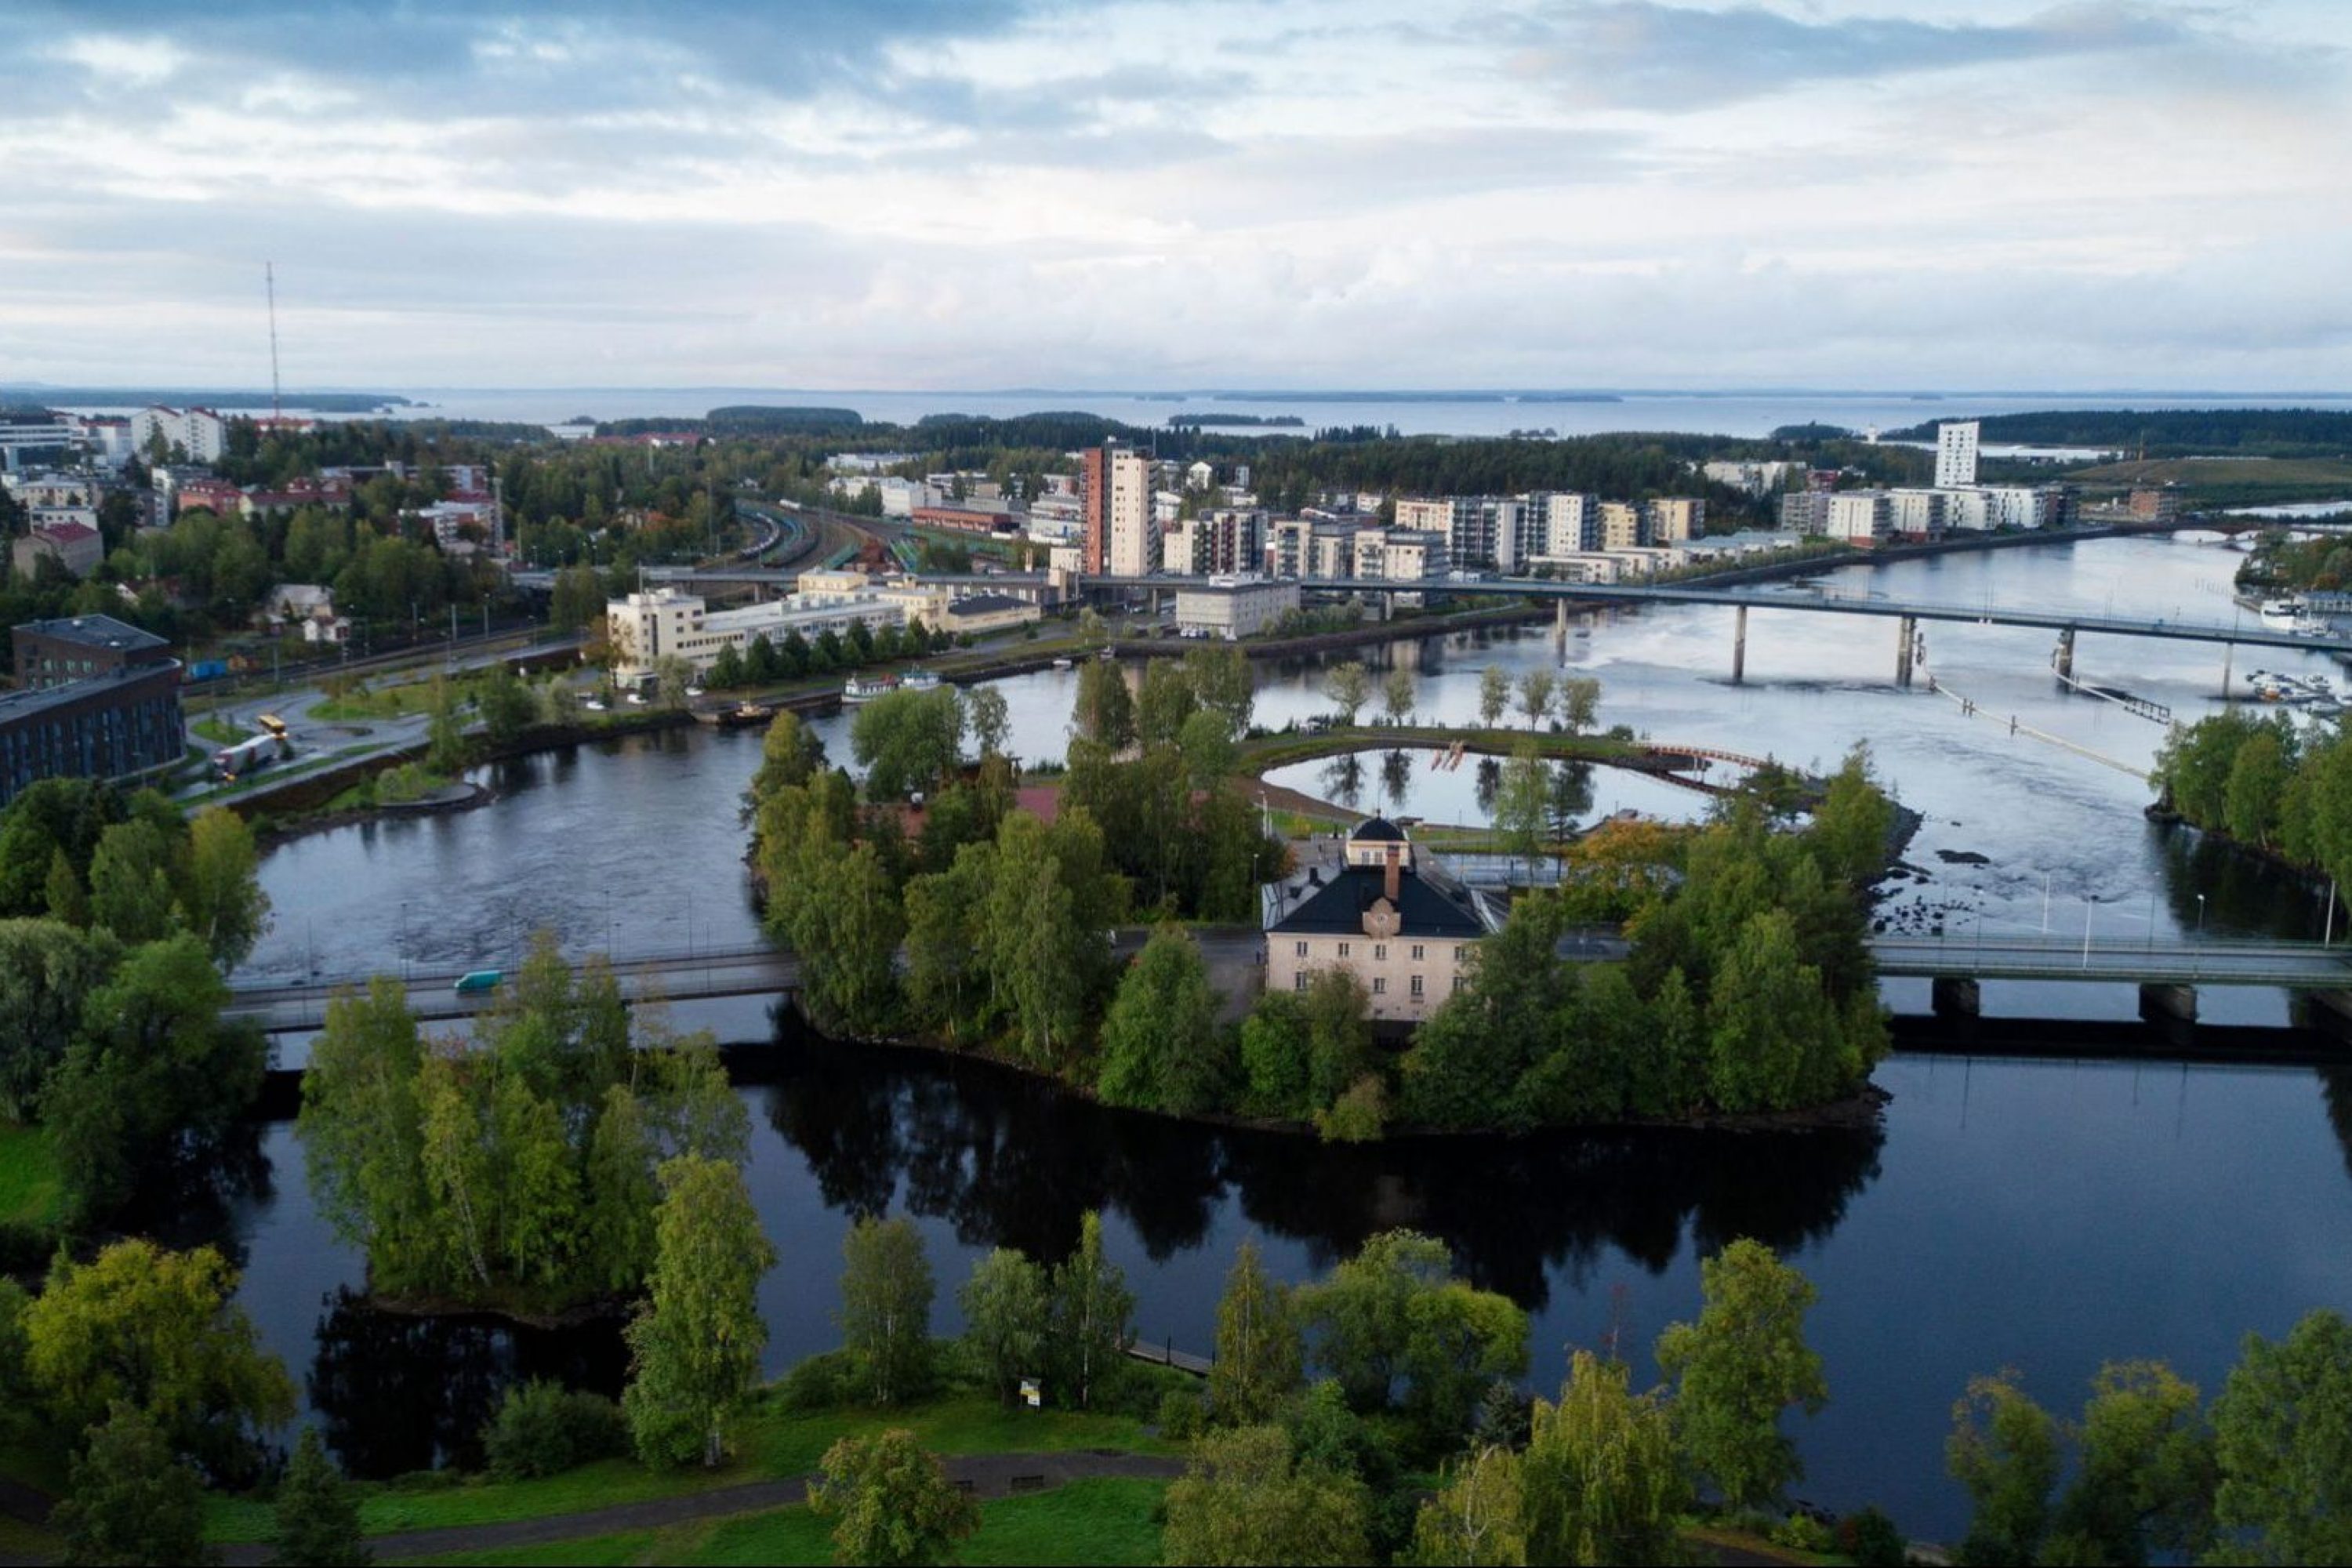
1742, 596
2167, 974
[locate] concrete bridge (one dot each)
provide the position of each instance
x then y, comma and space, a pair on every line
433, 994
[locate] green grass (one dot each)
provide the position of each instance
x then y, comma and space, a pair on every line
31, 1190
1108, 1519
220, 731
27, 1542
769, 1443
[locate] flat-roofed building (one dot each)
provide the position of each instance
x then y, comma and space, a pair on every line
97, 699
1620, 526
1861, 517
1955, 454
664, 623
1236, 607
1670, 520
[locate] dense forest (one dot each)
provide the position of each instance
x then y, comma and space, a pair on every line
2167, 432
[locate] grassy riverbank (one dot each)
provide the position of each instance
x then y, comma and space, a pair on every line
771, 1442
32, 1193
1105, 1520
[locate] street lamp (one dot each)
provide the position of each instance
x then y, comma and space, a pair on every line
2089, 904
2201, 917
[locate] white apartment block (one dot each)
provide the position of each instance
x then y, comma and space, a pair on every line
1968, 512
1571, 524
664, 623
1915, 513
1400, 555
198, 432
1859, 516
1756, 478
1956, 455
1226, 541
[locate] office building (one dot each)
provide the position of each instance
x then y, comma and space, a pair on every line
98, 698
1235, 607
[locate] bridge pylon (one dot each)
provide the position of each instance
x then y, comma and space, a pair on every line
2062, 657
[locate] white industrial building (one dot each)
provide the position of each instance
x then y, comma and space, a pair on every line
1235, 607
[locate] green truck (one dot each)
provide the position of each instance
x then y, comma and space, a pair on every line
479, 982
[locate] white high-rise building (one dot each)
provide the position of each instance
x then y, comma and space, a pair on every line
1130, 524
198, 434
1956, 455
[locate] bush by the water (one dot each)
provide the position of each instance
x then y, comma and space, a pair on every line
543, 1429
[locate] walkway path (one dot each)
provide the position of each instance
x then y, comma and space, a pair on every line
990, 1474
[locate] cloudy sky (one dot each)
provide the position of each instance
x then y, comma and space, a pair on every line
929, 194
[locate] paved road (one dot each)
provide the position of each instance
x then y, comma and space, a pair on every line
989, 1475
2217, 962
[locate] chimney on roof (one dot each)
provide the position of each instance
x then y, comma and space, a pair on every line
1390, 873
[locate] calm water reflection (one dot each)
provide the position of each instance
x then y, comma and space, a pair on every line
2045, 1216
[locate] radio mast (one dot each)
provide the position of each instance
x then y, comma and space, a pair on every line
269, 280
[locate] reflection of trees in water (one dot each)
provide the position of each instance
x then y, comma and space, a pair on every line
192, 1202
1013, 1163
396, 1393
1396, 776
2242, 893
1489, 783
1343, 779
2335, 1087
1570, 796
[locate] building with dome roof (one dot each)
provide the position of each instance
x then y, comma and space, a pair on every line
1388, 913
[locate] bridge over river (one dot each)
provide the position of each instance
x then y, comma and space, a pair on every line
2169, 974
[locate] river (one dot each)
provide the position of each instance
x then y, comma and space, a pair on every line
2046, 1216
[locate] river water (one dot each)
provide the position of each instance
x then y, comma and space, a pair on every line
2044, 1216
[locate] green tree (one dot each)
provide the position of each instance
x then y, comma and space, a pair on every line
1361, 1316
1494, 695
318, 1519
891, 1502
886, 1307
790, 755
1207, 747
2257, 787
1275, 1054
2144, 1475
1243, 1500
726, 669
694, 1346
906, 740
1740, 1366
1397, 695
1092, 1309
989, 718
1523, 804
158, 1331
1259, 1355
362, 1131
222, 895
1602, 1480
1163, 704
47, 972
131, 877
1221, 682
2283, 1435
1161, 1050
1106, 712
1007, 1311
506, 706
445, 731
1535, 695
1477, 1517
1349, 687
1854, 825
2004, 1448
131, 1500
1579, 702
156, 1076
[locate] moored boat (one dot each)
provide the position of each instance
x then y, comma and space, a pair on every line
864, 688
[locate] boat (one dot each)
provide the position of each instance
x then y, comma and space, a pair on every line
745, 716
2278, 615
862, 689
1061, 664
918, 681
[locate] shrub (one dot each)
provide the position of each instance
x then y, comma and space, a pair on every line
1870, 1538
1802, 1532
1182, 1414
822, 1381
543, 1429
1357, 1116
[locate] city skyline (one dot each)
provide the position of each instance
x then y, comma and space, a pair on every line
1629, 194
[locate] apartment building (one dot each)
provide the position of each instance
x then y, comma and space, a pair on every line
1227, 540
1956, 455
1400, 555
1122, 538
1620, 526
1861, 517
189, 435
1672, 520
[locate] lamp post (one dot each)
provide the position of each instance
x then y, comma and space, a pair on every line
2201, 917
2089, 904
404, 940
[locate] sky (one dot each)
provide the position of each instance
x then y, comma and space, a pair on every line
1326, 193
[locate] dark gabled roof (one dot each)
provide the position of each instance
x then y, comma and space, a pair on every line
1376, 830
1423, 908
986, 604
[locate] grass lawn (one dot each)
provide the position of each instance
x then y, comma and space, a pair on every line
27, 1542
384, 702
30, 1189
771, 1443
220, 731
1105, 1521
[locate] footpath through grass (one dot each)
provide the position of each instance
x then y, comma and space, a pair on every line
31, 1190
771, 1443
1107, 1520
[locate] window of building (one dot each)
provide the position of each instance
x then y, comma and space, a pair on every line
1343, 949
1298, 981
1302, 950
1416, 952
1457, 983
1416, 985
1461, 955
1380, 984
1380, 953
